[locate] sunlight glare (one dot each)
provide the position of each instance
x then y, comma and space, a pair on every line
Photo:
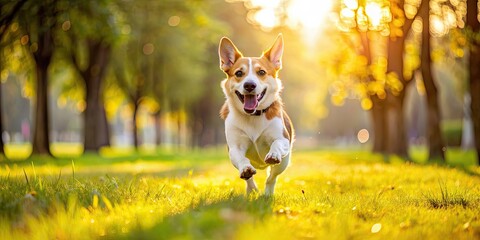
307, 15
437, 26
267, 18
265, 3
374, 13
310, 15
351, 4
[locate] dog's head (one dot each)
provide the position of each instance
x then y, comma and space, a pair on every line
252, 82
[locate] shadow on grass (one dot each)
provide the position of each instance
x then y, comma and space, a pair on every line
218, 220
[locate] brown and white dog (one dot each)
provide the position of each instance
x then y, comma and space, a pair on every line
259, 132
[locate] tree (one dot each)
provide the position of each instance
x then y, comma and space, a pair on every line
2, 150
134, 87
160, 62
383, 85
436, 143
205, 124
42, 24
400, 27
203, 114
134, 64
88, 45
8, 12
38, 21
473, 66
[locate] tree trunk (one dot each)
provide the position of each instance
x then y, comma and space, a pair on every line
158, 128
378, 111
41, 141
96, 130
181, 140
92, 109
435, 139
468, 140
42, 56
203, 118
474, 63
134, 126
103, 137
196, 125
397, 141
475, 94
380, 132
2, 149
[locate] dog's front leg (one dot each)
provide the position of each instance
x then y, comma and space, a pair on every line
238, 144
279, 149
238, 159
279, 144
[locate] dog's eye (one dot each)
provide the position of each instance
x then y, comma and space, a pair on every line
261, 72
238, 73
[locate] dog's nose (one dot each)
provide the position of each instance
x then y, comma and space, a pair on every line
249, 86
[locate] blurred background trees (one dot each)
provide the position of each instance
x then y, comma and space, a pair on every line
86, 41
392, 74
473, 35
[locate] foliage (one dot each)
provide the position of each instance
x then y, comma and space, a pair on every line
334, 194
166, 54
381, 20
156, 50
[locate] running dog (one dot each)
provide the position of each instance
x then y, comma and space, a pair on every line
259, 132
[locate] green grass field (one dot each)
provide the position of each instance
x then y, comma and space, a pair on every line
333, 194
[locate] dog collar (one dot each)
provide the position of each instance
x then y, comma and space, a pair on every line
259, 112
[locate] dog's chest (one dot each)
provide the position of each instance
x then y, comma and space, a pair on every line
257, 151
258, 132
254, 127
256, 135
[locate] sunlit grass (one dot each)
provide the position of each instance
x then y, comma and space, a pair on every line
23, 150
164, 195
18, 151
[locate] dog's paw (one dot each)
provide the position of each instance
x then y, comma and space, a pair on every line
273, 158
248, 172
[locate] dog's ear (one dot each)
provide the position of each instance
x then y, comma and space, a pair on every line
228, 54
275, 52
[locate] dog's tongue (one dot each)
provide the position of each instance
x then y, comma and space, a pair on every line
250, 102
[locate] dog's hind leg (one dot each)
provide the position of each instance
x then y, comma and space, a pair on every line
251, 186
275, 170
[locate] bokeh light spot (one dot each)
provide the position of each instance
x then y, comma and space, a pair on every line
363, 135
66, 25
376, 228
173, 21
148, 49
366, 104
24, 40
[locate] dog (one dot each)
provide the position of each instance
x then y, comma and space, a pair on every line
258, 131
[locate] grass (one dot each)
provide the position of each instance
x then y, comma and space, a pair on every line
337, 194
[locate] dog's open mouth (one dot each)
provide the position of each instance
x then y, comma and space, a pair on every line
250, 101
